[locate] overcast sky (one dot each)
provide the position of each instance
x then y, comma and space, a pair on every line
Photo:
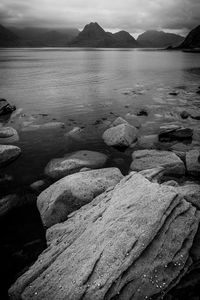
131, 15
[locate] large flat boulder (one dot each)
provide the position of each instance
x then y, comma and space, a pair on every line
74, 162
120, 135
131, 242
8, 153
193, 162
149, 159
5, 107
74, 191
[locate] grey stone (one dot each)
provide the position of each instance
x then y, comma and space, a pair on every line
131, 242
5, 107
74, 162
8, 153
148, 159
6, 132
74, 191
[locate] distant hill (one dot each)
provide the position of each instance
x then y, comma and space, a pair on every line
192, 40
159, 39
94, 35
8, 38
46, 36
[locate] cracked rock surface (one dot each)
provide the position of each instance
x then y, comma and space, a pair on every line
131, 242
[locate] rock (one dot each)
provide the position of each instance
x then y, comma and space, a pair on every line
74, 162
131, 242
9, 202
76, 133
179, 134
8, 153
142, 112
6, 132
154, 175
74, 191
85, 169
148, 159
5, 107
193, 162
184, 114
120, 135
119, 121
171, 183
174, 93
191, 192
134, 120
147, 141
47, 126
39, 185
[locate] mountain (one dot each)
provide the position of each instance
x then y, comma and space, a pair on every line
94, 35
158, 39
46, 36
8, 38
192, 40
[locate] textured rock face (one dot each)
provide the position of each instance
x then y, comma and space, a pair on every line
131, 242
149, 159
6, 132
8, 153
74, 191
121, 135
5, 107
74, 162
193, 162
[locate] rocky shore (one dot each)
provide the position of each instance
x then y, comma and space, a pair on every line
107, 233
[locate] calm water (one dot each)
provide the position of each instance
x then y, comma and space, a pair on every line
82, 86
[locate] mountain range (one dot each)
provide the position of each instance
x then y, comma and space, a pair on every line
93, 35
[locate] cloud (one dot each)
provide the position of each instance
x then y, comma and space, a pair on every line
130, 15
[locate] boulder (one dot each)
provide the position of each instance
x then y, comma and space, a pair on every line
193, 162
131, 242
169, 133
74, 162
5, 107
6, 132
74, 191
8, 153
149, 159
120, 135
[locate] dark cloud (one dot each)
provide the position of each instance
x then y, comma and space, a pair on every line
131, 15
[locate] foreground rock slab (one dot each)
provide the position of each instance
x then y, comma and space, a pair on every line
131, 242
74, 191
149, 159
8, 153
74, 162
120, 135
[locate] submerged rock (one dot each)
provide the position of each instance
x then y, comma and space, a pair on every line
131, 242
6, 132
47, 126
5, 107
74, 162
149, 159
8, 153
120, 135
74, 191
179, 134
148, 141
193, 162
39, 185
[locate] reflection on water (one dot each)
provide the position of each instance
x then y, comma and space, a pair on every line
87, 88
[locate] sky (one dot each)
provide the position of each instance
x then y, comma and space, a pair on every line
134, 16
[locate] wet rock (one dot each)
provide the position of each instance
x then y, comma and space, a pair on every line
119, 121
170, 134
134, 120
147, 141
193, 162
85, 169
142, 112
5, 107
39, 185
76, 133
131, 242
184, 114
174, 93
148, 159
193, 113
8, 153
74, 162
120, 135
74, 191
6, 132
